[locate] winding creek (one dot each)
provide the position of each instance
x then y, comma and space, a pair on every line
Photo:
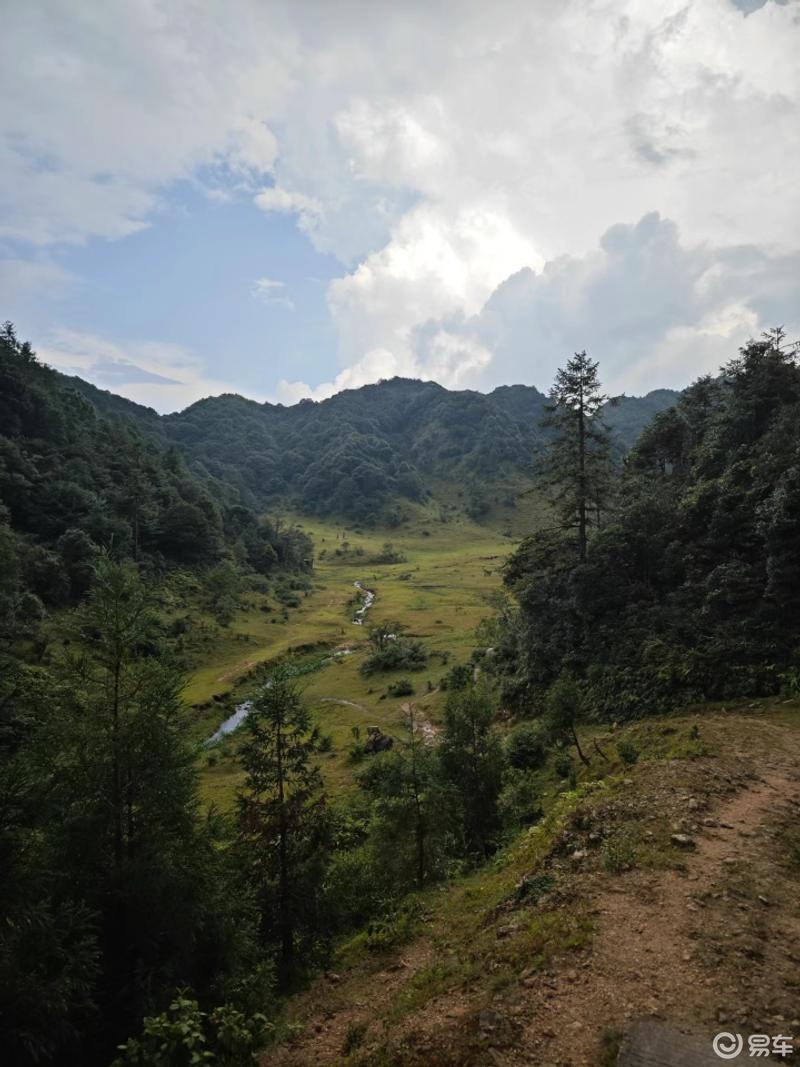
241, 711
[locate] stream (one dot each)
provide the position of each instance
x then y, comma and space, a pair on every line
241, 711
369, 600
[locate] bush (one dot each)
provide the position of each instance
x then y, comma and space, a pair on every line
185, 1034
519, 802
401, 688
618, 853
563, 765
398, 655
628, 752
458, 677
525, 746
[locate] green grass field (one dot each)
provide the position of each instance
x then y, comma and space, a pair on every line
448, 582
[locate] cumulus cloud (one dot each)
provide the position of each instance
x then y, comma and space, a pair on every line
655, 311
163, 376
476, 176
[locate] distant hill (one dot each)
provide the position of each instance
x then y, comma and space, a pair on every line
360, 452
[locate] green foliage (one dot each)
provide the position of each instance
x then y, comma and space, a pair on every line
186, 1035
389, 554
526, 746
471, 760
82, 470
691, 588
577, 464
354, 1038
563, 765
618, 852
628, 752
400, 655
401, 688
458, 677
284, 825
519, 802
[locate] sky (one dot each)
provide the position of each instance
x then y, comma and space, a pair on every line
286, 199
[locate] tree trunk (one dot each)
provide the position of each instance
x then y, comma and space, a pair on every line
583, 758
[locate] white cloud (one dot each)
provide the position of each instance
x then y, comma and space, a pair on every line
284, 202
164, 376
440, 157
270, 291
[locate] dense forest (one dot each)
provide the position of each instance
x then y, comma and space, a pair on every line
688, 587
364, 452
75, 480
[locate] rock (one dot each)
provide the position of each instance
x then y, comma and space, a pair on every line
497, 1029
694, 804
579, 854
377, 740
683, 841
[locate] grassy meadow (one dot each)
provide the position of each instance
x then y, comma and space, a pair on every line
449, 580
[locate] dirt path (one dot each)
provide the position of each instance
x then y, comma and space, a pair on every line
649, 957
343, 703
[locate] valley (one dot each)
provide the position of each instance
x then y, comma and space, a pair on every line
448, 580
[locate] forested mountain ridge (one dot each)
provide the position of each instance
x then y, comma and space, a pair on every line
361, 452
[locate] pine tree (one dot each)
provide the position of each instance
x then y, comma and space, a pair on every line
126, 836
471, 761
284, 825
577, 466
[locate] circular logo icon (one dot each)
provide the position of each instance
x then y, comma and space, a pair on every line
727, 1046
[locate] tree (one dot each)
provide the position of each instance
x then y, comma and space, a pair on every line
563, 711
284, 825
124, 833
577, 466
381, 634
410, 834
471, 760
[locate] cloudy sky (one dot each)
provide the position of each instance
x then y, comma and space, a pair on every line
285, 199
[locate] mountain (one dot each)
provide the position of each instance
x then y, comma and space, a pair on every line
361, 452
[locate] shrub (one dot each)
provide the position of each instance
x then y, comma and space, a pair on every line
458, 677
525, 746
401, 688
628, 752
519, 802
398, 655
562, 765
618, 853
354, 1038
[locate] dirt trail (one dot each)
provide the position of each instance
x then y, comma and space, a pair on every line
647, 955
343, 703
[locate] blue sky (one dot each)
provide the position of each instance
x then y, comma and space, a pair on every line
289, 199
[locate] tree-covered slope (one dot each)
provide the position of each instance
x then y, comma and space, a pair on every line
360, 452
81, 470
691, 587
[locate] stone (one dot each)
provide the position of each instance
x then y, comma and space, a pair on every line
682, 841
